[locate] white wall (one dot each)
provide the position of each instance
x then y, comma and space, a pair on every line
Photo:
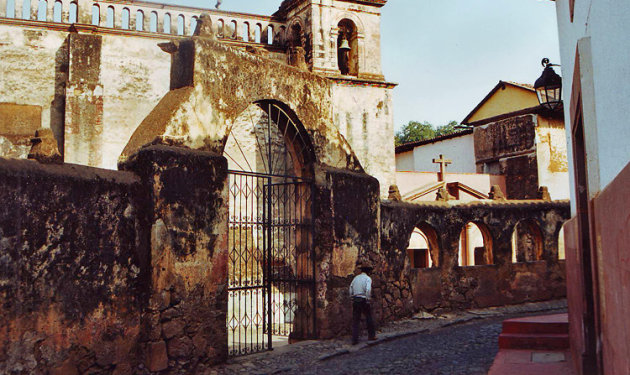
461, 150
404, 161
364, 116
551, 154
602, 29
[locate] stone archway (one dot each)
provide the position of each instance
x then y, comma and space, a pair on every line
271, 265
212, 84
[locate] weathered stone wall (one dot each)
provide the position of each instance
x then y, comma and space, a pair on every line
73, 263
450, 286
207, 99
508, 147
114, 272
346, 229
109, 93
184, 324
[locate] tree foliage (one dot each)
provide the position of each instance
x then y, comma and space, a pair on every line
419, 131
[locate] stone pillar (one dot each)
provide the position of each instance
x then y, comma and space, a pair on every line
186, 319
84, 101
346, 229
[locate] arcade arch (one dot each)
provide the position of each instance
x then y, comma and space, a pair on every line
475, 245
527, 242
423, 250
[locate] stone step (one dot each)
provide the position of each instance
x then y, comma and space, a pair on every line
539, 341
546, 324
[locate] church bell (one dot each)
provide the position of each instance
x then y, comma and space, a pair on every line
345, 45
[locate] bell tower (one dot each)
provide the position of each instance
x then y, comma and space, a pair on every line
341, 40
339, 37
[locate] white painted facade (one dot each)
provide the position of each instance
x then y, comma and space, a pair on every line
364, 116
600, 32
551, 157
461, 150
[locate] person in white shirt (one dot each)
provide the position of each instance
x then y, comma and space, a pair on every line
360, 293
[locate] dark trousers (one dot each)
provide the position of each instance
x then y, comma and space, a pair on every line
361, 306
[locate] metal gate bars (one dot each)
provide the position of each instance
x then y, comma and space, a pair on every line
271, 283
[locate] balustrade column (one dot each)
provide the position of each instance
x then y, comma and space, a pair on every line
118, 17
50, 10
65, 11
173, 24
252, 33
3, 8
84, 12
239, 31
146, 22
18, 4
102, 13
132, 18
34, 7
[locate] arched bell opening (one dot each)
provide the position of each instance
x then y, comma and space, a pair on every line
348, 48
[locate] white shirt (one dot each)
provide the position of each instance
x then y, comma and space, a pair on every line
361, 286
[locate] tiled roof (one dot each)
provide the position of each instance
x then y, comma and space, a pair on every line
523, 85
410, 145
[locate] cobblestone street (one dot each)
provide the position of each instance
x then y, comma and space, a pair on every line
464, 343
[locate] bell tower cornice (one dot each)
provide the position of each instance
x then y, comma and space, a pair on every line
288, 5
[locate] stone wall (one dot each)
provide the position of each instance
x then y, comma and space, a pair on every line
346, 229
73, 257
449, 286
184, 322
114, 272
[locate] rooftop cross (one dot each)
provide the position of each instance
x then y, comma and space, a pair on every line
443, 163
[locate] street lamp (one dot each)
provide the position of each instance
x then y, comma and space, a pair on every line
549, 87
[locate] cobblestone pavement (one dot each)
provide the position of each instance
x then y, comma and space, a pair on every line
463, 343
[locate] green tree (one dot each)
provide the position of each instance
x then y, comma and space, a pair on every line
447, 129
419, 131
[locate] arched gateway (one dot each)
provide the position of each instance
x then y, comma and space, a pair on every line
271, 268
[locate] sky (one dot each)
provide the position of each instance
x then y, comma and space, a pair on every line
446, 55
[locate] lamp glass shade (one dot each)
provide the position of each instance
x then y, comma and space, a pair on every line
549, 89
550, 97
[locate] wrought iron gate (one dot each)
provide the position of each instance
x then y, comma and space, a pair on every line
271, 282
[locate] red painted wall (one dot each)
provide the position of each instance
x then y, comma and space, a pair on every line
612, 238
575, 291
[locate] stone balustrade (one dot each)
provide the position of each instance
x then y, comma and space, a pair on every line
148, 17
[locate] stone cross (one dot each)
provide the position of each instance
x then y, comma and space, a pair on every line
443, 163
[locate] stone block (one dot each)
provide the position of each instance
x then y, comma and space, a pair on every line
180, 347
67, 368
172, 328
157, 357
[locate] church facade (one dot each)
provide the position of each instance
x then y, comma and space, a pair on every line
91, 72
